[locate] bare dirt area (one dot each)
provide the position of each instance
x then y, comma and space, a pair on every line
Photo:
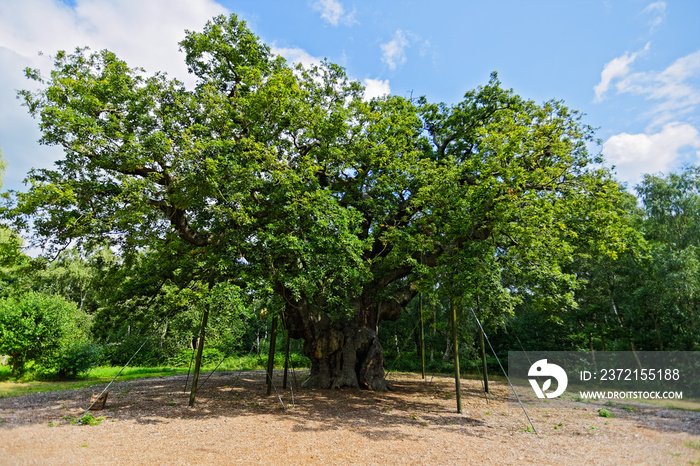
148, 421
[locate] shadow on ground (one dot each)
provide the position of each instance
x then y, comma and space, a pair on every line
379, 416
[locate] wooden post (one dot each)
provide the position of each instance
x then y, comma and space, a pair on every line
200, 345
286, 363
455, 349
422, 337
483, 361
198, 359
483, 350
271, 355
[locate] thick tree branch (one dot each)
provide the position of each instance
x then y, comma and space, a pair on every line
178, 220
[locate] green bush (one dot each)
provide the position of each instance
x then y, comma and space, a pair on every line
121, 345
74, 359
34, 327
209, 356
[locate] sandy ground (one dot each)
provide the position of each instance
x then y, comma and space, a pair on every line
148, 422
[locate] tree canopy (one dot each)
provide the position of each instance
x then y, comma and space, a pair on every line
284, 182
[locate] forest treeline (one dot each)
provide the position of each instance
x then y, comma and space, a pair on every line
646, 299
277, 192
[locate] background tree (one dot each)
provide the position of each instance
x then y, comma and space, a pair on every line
15, 265
13, 261
645, 299
668, 292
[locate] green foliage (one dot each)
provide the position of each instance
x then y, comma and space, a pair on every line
15, 265
602, 412
210, 356
35, 327
139, 299
73, 359
88, 420
647, 299
3, 166
275, 188
48, 331
669, 291
122, 346
232, 319
74, 274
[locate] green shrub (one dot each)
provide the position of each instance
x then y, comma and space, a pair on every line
75, 359
209, 356
88, 420
35, 327
122, 345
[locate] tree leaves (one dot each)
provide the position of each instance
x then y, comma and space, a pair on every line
284, 179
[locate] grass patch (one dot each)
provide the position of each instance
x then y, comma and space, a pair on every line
89, 420
26, 388
685, 404
29, 383
602, 412
134, 372
626, 407
99, 375
695, 444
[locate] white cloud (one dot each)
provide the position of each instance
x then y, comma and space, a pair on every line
675, 89
615, 68
332, 12
657, 13
143, 33
376, 88
657, 7
394, 51
636, 154
672, 87
425, 48
296, 56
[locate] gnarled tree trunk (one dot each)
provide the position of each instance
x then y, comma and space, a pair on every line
350, 356
344, 352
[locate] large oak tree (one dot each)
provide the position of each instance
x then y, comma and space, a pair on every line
284, 180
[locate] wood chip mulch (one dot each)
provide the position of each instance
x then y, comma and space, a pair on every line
148, 421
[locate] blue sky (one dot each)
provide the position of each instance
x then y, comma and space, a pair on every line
632, 66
